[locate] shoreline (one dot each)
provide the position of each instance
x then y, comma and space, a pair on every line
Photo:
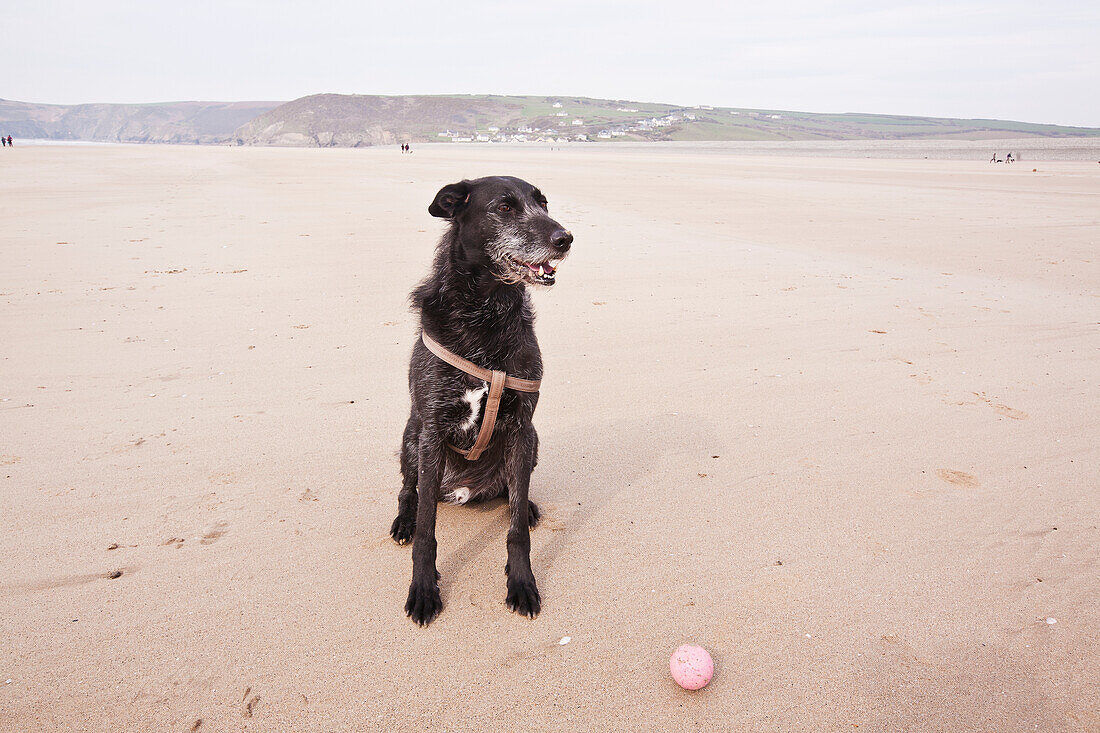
1039, 149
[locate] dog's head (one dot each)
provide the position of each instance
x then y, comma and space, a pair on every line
503, 223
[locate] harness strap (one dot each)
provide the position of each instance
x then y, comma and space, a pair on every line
485, 375
492, 405
498, 382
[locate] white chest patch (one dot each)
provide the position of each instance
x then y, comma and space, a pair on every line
473, 398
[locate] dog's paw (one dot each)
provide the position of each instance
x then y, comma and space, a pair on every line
533, 514
402, 529
424, 603
523, 597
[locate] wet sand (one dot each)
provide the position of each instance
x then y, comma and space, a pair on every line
833, 419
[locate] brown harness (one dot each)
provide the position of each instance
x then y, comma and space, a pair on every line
498, 382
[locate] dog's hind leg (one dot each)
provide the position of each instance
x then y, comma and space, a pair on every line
424, 602
405, 522
523, 594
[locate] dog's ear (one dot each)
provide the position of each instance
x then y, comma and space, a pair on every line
450, 200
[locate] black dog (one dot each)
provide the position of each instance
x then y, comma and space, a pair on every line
475, 304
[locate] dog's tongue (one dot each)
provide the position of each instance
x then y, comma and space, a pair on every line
544, 269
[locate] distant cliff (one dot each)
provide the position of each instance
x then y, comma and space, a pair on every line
168, 122
353, 120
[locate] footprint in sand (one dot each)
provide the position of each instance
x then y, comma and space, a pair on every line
123, 447
958, 478
1005, 410
214, 532
249, 702
1011, 412
9, 460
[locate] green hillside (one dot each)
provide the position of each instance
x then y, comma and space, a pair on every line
356, 120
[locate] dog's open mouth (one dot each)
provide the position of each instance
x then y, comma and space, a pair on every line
542, 272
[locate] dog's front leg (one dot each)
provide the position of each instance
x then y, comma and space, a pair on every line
523, 594
424, 603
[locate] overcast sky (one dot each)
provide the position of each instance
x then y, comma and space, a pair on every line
1032, 61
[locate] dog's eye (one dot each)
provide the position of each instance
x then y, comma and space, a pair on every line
504, 208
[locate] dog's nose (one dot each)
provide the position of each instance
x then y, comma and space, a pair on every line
561, 240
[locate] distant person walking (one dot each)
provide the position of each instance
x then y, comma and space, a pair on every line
4, 140
10, 145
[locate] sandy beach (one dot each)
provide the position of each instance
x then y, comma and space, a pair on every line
834, 419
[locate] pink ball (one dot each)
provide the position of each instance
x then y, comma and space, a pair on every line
691, 667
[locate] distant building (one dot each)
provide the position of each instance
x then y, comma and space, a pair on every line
557, 105
578, 122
